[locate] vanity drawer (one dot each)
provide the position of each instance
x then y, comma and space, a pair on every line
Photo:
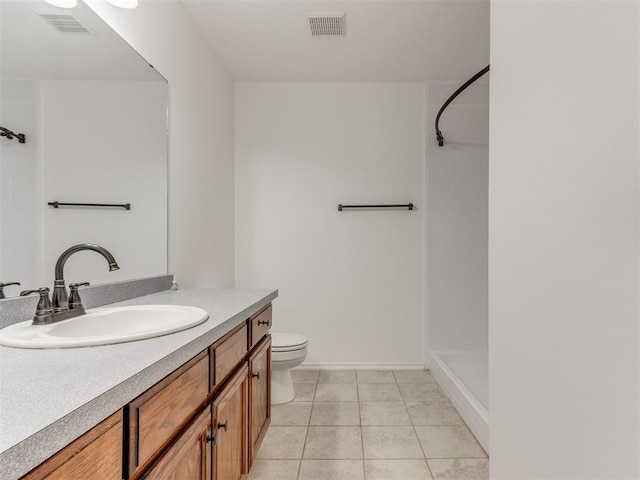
159, 413
260, 325
227, 353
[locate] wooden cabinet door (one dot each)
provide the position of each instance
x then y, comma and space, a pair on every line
190, 456
259, 396
230, 410
96, 454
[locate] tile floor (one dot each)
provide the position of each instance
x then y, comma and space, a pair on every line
368, 425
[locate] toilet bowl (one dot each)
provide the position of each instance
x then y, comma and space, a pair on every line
288, 350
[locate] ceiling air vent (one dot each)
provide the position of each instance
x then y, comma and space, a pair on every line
65, 23
328, 25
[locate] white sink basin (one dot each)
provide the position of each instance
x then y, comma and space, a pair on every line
103, 326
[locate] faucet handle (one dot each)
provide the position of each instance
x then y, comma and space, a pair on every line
44, 309
74, 297
2, 285
42, 291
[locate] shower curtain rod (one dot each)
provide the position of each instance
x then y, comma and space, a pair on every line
439, 135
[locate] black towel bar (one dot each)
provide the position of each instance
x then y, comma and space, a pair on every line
408, 206
126, 206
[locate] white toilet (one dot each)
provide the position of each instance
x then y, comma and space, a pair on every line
288, 350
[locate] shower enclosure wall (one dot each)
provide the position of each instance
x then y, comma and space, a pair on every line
457, 249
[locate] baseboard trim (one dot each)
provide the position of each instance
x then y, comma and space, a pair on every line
474, 414
359, 366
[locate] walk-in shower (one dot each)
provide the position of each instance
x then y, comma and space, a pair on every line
464, 377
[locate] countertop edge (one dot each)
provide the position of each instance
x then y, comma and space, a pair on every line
22, 457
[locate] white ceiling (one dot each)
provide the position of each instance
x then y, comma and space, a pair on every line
386, 41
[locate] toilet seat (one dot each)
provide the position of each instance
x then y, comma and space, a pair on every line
288, 350
287, 342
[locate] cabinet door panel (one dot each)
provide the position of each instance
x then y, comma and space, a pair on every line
189, 457
230, 420
97, 454
259, 396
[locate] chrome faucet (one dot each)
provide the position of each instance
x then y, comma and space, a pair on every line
60, 298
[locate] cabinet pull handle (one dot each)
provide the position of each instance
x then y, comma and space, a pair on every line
256, 375
213, 440
224, 425
263, 322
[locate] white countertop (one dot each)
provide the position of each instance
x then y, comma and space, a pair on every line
50, 397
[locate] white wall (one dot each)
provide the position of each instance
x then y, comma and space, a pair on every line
105, 142
201, 212
457, 176
350, 281
563, 240
20, 200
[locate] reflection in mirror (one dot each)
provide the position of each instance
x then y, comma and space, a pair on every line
94, 118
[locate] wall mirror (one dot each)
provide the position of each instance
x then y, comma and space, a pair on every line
94, 116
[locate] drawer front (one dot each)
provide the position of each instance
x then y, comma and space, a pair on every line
159, 413
260, 325
228, 353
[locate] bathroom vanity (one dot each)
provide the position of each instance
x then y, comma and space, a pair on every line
190, 405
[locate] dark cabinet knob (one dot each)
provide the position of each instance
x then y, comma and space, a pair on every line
256, 375
212, 439
224, 425
264, 322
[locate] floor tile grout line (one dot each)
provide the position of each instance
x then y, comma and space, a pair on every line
413, 425
364, 473
457, 458
360, 422
304, 446
415, 432
337, 459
